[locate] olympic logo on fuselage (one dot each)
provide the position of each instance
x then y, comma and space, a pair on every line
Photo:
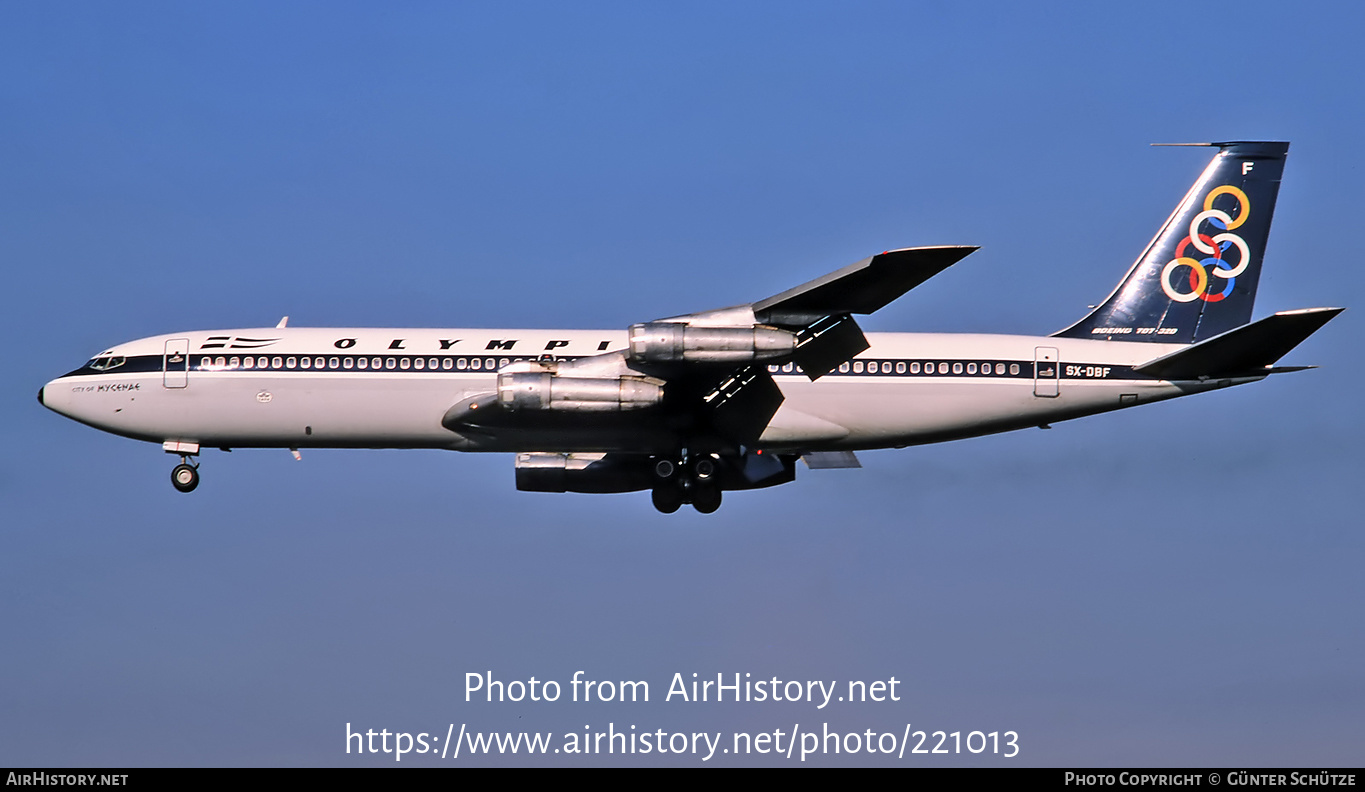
1214, 248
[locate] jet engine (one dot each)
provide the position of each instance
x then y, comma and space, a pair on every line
616, 472
583, 473
675, 342
544, 391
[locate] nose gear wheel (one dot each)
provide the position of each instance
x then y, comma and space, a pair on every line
185, 477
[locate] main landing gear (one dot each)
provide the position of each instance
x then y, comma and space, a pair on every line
691, 481
185, 477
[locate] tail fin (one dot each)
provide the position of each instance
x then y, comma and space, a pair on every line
1198, 277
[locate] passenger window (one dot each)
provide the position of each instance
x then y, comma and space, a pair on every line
248, 362
305, 362
971, 368
503, 362
476, 364
290, 362
419, 364
445, 363
404, 364
333, 363
943, 368
431, 363
276, 362
787, 368
461, 364
900, 367
319, 363
235, 362
204, 363
1014, 368
957, 368
999, 368
390, 363
858, 367
488, 364
347, 363
886, 367
362, 363
843, 368
914, 368
220, 362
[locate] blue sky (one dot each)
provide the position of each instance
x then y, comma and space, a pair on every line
1177, 584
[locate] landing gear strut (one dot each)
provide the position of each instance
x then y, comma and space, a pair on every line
185, 477
691, 481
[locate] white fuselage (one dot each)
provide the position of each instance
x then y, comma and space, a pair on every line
389, 388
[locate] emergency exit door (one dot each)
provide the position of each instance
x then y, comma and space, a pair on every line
175, 364
1045, 371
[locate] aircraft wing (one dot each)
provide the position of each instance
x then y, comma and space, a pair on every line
709, 370
816, 319
859, 288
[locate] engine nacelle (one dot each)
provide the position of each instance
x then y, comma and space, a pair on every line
543, 391
583, 473
675, 342
549, 472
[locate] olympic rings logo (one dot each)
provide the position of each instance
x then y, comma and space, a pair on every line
1200, 284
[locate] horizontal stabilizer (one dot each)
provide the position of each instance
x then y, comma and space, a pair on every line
829, 460
859, 288
1249, 349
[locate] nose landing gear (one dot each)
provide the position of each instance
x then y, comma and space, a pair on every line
185, 477
690, 481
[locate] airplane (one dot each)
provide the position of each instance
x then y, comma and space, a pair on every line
691, 406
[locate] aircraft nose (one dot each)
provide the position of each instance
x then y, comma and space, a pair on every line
51, 397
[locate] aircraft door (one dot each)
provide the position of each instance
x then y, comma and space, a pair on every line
175, 365
1045, 371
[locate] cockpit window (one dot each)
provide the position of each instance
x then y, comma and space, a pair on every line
106, 362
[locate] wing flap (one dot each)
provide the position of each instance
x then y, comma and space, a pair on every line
827, 344
831, 460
